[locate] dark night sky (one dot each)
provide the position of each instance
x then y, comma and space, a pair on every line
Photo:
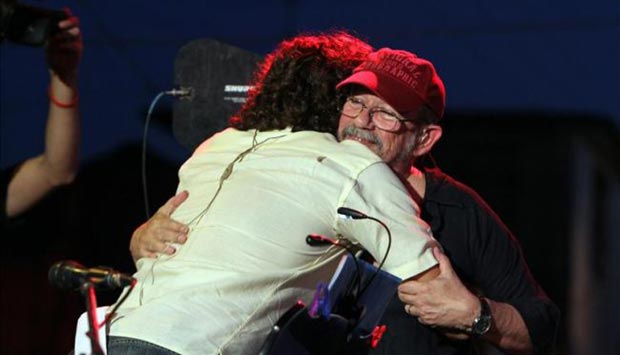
557, 56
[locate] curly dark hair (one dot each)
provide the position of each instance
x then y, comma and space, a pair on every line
295, 86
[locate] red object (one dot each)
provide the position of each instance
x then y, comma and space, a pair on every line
377, 334
404, 80
56, 102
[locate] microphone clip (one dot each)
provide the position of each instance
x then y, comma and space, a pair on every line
183, 93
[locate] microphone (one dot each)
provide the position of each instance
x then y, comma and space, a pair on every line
182, 93
316, 240
350, 213
70, 275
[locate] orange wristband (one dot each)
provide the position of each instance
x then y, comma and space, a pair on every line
55, 101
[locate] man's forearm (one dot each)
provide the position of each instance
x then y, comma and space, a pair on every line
508, 331
57, 165
62, 133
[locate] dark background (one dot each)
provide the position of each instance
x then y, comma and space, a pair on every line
533, 94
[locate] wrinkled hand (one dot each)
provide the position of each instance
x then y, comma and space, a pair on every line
64, 50
443, 302
153, 236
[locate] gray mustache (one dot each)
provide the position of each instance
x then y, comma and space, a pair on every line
352, 131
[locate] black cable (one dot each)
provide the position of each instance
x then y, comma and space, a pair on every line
384, 256
354, 214
144, 137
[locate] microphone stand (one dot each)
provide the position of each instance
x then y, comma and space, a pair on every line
87, 289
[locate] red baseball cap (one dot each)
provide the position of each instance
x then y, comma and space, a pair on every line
404, 80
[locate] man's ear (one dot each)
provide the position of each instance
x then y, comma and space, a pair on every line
429, 135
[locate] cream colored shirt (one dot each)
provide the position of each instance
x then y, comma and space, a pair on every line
246, 260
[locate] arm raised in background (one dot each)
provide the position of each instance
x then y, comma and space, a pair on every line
57, 165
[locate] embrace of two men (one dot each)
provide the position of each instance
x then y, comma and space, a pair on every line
226, 257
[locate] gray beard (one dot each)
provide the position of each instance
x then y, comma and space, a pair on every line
401, 163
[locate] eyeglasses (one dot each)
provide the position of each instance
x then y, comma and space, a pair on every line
383, 119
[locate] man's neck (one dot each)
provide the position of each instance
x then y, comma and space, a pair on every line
417, 182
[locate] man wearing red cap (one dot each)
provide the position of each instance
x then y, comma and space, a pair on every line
396, 89
395, 102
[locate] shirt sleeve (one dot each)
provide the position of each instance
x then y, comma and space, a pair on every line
379, 194
502, 273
